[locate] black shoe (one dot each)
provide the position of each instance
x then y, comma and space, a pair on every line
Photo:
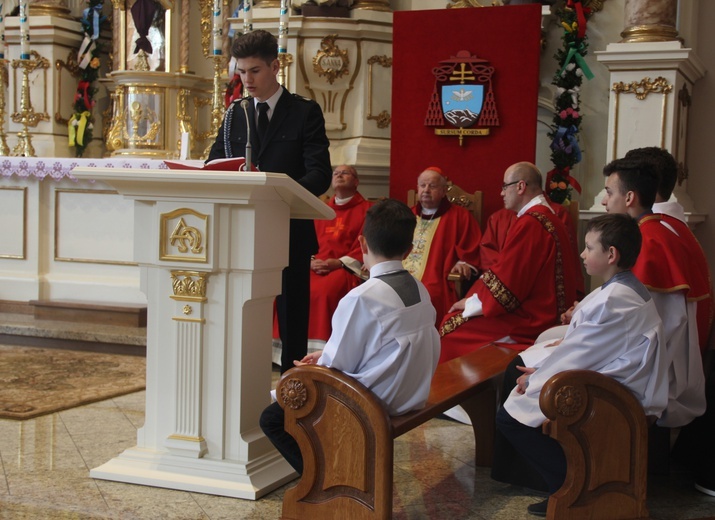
538, 509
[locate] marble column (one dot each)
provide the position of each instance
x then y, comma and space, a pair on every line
650, 21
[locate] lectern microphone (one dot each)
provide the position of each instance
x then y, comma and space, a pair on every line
248, 163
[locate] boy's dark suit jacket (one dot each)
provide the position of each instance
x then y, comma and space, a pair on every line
295, 144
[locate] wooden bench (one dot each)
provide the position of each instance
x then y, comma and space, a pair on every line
346, 435
604, 433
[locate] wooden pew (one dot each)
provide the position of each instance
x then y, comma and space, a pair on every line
604, 433
346, 435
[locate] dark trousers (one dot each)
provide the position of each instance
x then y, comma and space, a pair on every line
272, 423
696, 443
508, 465
542, 452
293, 308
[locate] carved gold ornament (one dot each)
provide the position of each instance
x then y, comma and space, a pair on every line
140, 113
186, 238
294, 394
72, 67
183, 235
568, 401
643, 87
189, 285
331, 61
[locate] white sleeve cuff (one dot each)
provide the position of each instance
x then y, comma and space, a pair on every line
472, 307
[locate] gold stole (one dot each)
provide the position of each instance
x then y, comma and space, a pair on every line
417, 259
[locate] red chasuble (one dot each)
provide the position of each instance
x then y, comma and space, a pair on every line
670, 262
523, 293
440, 241
496, 230
336, 238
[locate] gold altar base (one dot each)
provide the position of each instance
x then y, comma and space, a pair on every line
649, 33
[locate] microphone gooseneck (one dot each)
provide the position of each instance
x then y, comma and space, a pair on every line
247, 165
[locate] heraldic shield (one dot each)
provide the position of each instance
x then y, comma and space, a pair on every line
463, 96
461, 104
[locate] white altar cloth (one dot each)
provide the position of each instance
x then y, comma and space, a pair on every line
59, 168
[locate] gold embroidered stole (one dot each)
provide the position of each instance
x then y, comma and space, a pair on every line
416, 261
501, 292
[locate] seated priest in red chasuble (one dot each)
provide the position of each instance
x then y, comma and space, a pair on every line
498, 225
338, 248
529, 285
446, 240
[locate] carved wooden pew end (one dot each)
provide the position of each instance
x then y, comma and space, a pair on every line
346, 435
603, 431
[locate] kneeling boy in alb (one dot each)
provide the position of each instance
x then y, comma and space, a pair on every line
383, 330
615, 330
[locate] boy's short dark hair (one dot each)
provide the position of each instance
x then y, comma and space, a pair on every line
664, 164
621, 231
389, 228
635, 175
259, 44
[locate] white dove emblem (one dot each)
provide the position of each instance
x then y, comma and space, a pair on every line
462, 95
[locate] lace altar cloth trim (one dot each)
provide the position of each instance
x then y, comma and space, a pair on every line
59, 168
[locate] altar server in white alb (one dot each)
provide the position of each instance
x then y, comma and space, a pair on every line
615, 330
383, 330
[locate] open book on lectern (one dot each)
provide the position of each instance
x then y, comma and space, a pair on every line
230, 164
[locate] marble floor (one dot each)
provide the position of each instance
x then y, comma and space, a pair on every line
45, 463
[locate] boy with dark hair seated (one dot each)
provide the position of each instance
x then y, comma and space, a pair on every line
615, 330
383, 330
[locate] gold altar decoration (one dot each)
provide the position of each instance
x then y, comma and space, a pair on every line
286, 60
143, 117
189, 286
72, 67
183, 235
153, 90
217, 103
27, 115
206, 7
114, 139
331, 61
383, 118
641, 89
4, 149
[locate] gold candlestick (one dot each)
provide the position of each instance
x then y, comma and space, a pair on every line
217, 106
285, 60
4, 149
27, 115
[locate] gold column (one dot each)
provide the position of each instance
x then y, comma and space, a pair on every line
650, 21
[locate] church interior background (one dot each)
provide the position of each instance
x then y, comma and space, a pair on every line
138, 94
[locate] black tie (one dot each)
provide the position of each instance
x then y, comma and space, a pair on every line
262, 120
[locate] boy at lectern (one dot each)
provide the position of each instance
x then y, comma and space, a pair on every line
383, 330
